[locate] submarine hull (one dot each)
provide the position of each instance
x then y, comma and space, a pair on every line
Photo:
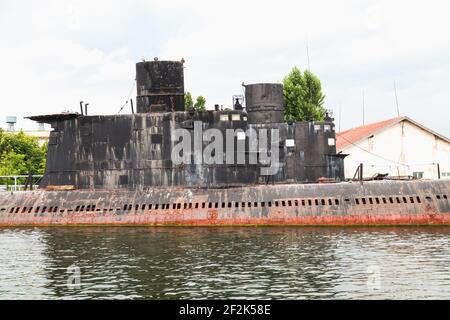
368, 203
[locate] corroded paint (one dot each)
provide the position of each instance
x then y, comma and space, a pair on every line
134, 151
155, 219
375, 203
121, 166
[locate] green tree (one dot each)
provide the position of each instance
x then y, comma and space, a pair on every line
43, 162
304, 100
21, 154
12, 163
188, 101
200, 104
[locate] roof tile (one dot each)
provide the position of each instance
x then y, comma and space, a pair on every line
350, 136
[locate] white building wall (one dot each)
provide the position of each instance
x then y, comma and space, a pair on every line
403, 143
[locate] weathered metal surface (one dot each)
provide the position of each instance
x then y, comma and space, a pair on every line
265, 103
123, 170
160, 86
51, 118
374, 203
135, 151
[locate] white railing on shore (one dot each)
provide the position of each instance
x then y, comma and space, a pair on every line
12, 182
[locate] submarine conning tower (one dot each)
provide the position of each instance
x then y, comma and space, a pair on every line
136, 150
160, 86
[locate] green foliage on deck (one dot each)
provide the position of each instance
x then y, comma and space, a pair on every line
304, 100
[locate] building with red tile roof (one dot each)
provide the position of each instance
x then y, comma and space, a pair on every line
398, 146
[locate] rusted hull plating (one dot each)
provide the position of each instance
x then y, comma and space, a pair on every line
375, 203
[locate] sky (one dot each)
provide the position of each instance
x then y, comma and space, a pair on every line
57, 53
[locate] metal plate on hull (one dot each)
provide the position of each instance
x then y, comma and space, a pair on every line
374, 203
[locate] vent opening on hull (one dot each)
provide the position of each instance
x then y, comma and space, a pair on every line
319, 202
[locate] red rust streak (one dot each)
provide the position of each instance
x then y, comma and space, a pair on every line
213, 219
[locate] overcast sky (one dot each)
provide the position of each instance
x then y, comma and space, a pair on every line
56, 53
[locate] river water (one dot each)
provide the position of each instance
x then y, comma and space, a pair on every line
225, 263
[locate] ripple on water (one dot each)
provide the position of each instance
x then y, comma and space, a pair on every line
224, 263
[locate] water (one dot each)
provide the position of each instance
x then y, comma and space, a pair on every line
223, 263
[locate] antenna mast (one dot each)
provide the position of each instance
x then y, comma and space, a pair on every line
396, 98
363, 108
307, 53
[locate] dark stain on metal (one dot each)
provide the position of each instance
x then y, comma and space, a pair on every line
122, 170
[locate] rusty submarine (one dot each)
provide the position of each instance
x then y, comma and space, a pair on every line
120, 170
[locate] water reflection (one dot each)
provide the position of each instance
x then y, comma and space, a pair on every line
201, 263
